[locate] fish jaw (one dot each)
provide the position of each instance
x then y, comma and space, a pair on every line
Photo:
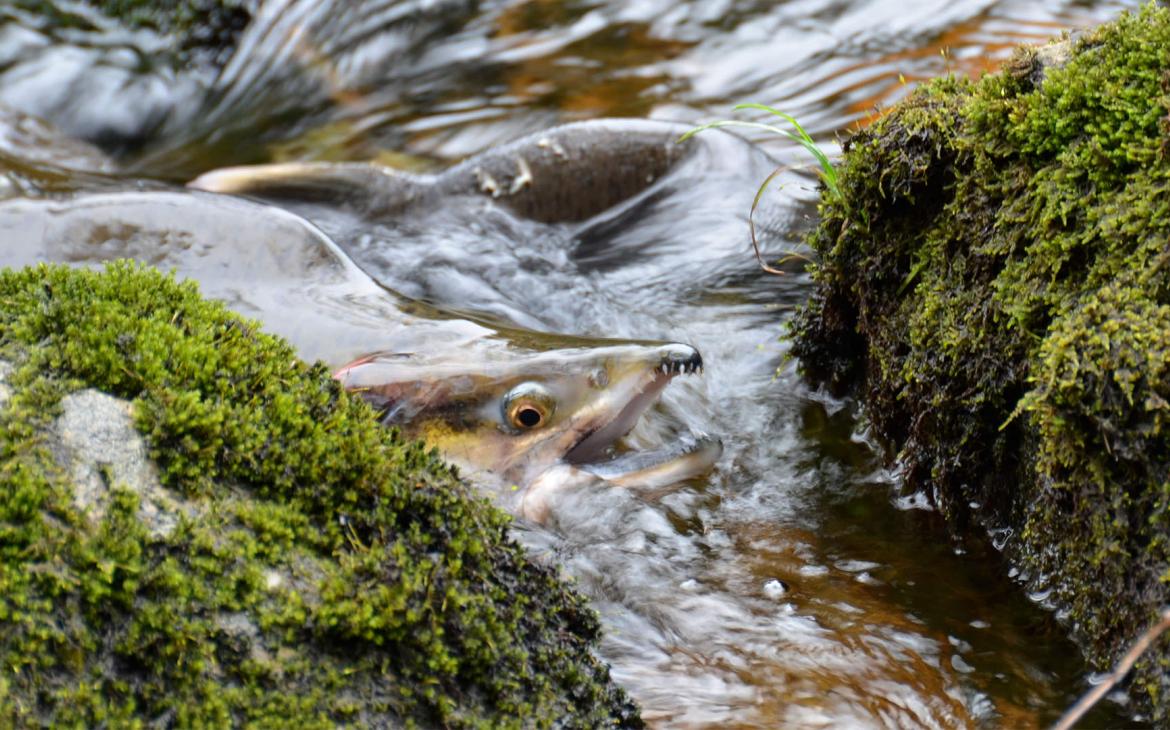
650, 475
652, 472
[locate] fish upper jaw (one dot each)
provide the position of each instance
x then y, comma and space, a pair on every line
597, 430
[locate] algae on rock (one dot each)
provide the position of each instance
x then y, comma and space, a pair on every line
314, 569
996, 284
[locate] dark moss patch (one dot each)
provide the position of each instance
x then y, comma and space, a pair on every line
209, 24
204, 29
402, 599
995, 283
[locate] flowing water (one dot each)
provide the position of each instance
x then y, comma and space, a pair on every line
796, 586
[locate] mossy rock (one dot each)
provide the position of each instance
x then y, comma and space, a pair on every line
994, 282
313, 568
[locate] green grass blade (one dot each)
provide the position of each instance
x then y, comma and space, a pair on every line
738, 123
828, 173
772, 110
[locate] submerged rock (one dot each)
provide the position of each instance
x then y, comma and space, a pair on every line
167, 88
995, 282
222, 536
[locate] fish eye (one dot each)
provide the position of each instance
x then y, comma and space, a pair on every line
528, 406
528, 416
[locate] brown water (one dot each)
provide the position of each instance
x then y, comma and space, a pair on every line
798, 586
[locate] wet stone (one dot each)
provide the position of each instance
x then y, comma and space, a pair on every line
5, 391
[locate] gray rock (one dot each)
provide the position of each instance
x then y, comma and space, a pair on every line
1032, 63
241, 633
5, 391
1054, 55
98, 446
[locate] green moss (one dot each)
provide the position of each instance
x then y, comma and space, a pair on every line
399, 597
996, 285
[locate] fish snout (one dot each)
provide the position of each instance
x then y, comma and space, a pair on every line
677, 358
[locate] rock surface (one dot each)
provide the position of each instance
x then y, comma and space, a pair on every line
5, 391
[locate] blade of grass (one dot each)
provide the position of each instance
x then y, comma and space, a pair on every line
1126, 663
752, 223
827, 173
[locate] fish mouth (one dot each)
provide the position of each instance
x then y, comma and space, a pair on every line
650, 469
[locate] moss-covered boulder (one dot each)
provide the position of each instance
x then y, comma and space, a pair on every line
994, 281
278, 560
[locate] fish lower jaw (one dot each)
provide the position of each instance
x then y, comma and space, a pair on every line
648, 474
655, 470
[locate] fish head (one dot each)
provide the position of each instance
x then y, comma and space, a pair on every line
537, 420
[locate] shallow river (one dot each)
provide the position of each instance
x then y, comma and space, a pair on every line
797, 585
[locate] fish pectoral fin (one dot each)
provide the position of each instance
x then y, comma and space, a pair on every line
360, 186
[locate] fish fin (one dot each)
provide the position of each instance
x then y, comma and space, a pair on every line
361, 186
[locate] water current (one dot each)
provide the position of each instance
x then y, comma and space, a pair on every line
798, 585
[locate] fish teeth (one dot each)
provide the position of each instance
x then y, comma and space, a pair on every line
678, 367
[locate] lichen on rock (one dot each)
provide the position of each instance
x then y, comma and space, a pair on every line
994, 282
314, 569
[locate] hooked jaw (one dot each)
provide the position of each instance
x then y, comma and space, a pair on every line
601, 430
